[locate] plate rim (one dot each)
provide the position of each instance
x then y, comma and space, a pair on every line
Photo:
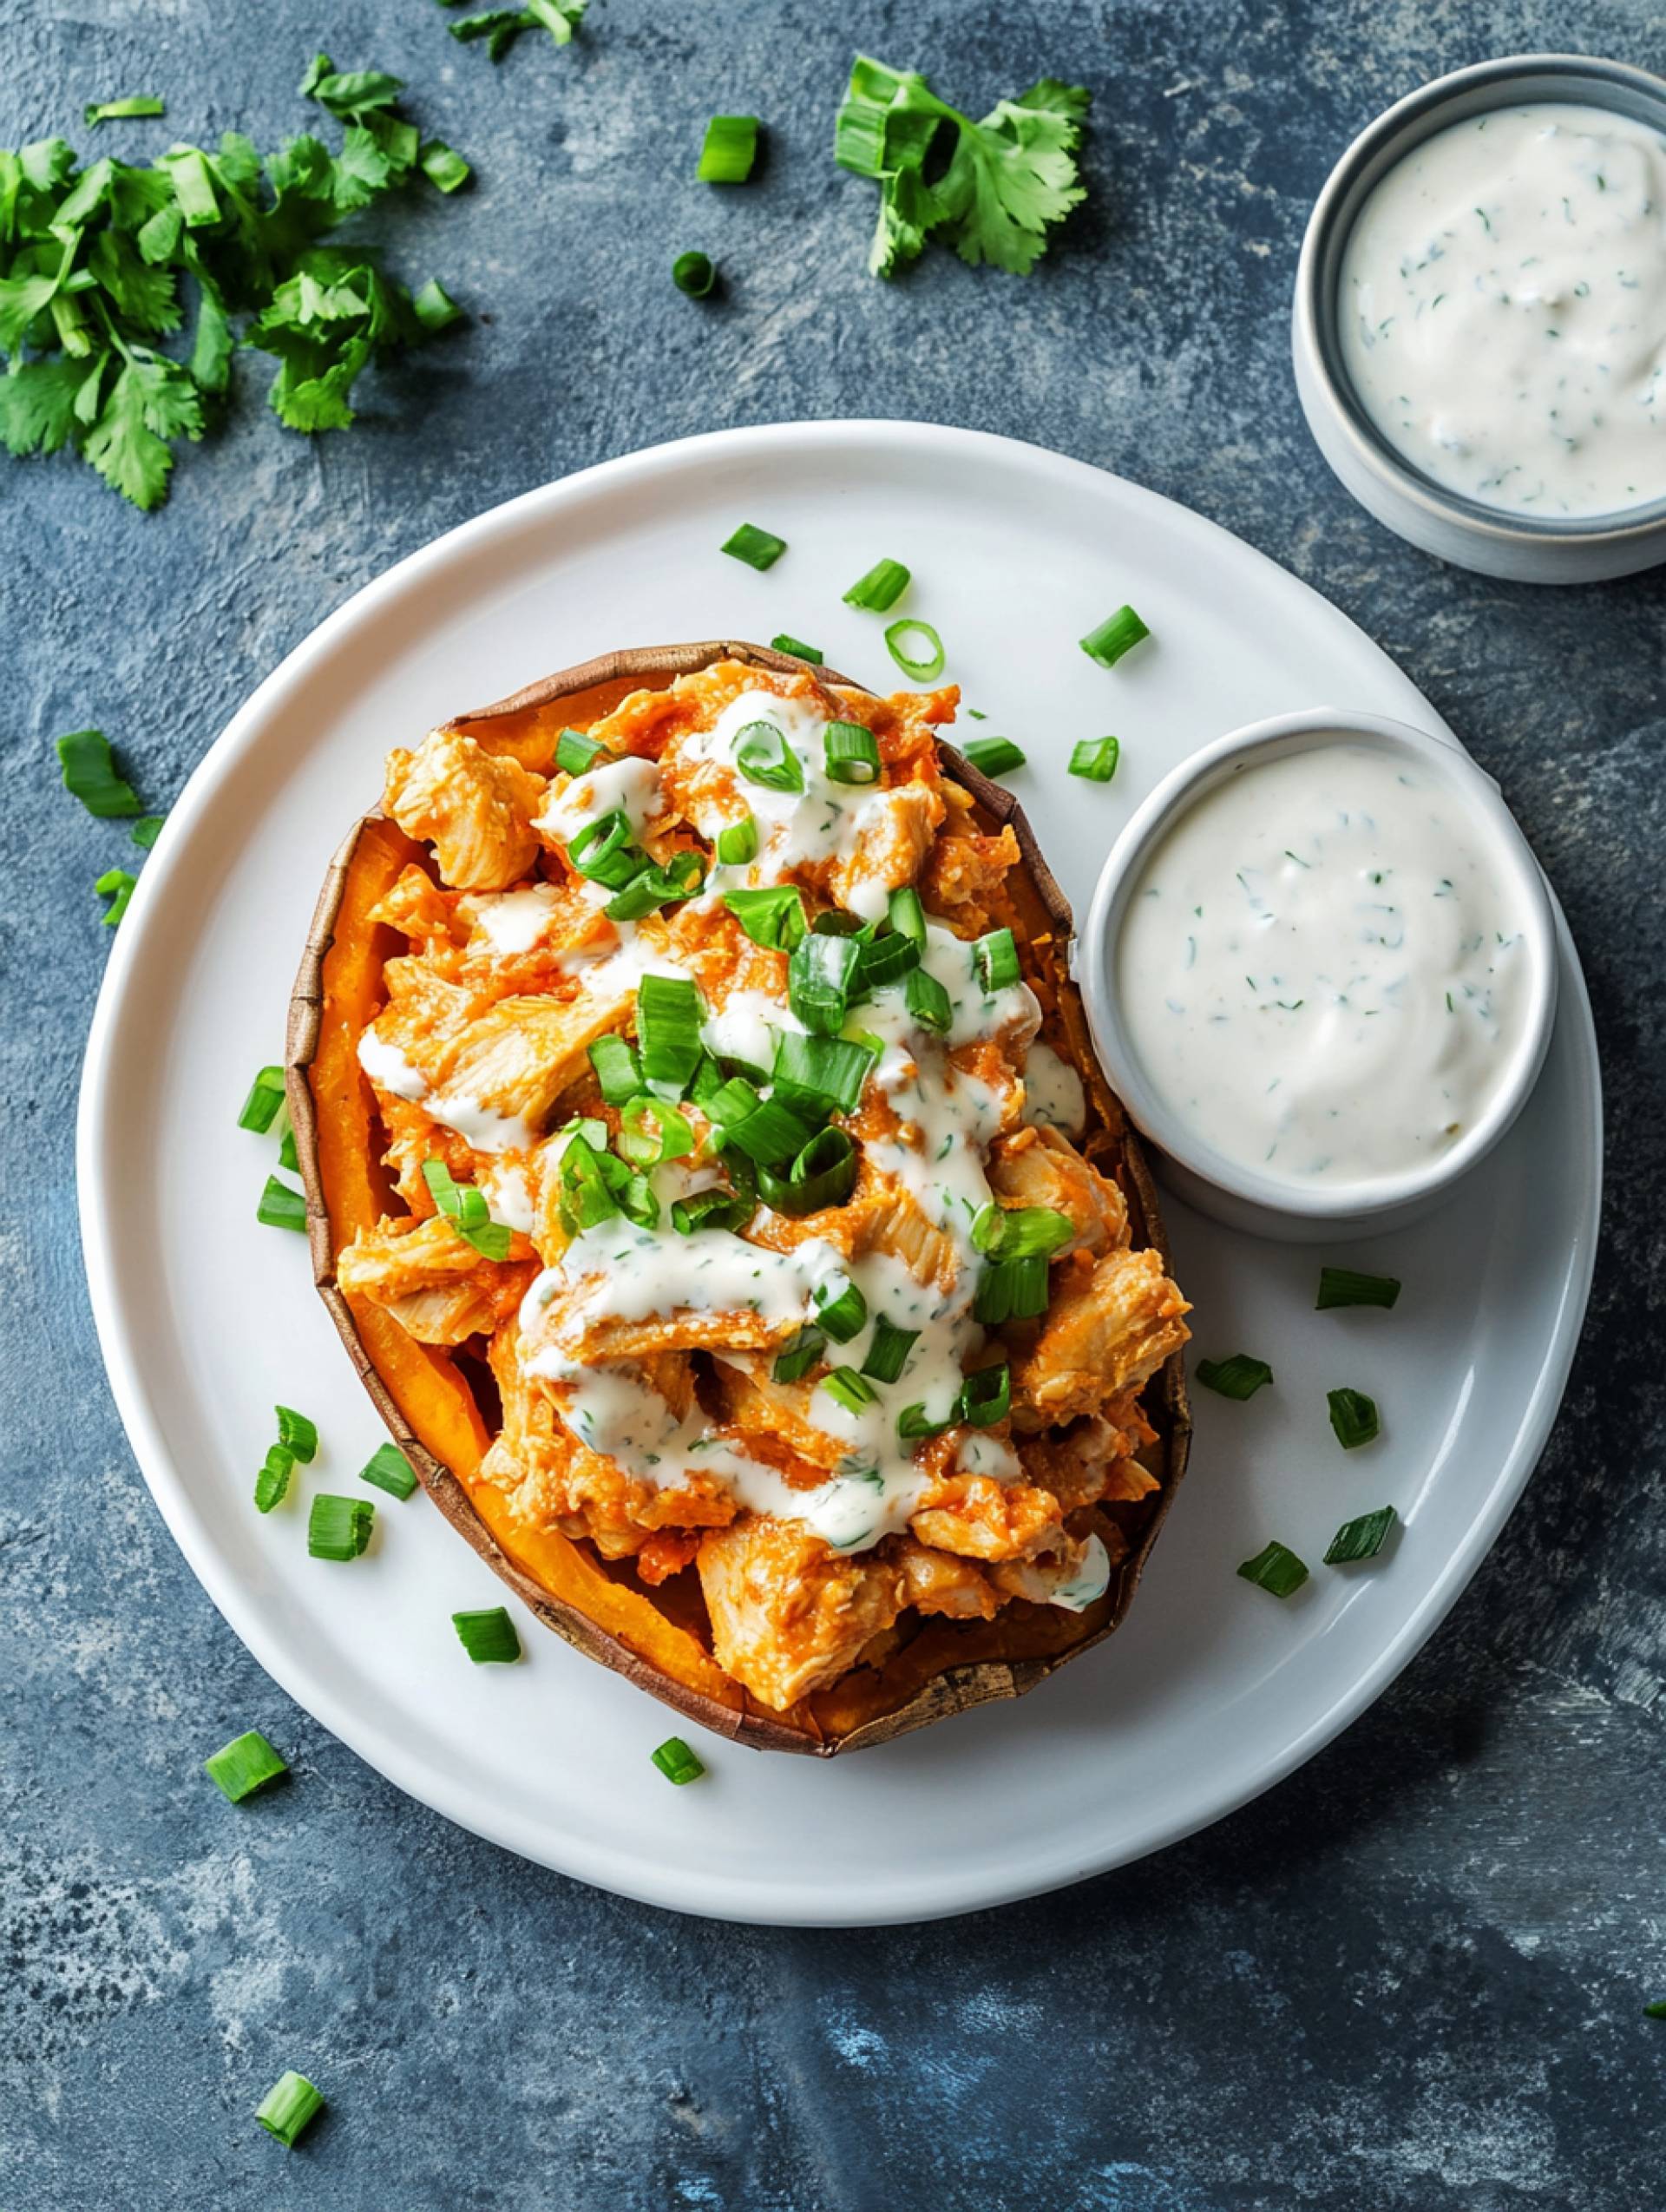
740, 1899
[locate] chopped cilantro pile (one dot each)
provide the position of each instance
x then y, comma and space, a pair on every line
98, 265
1006, 179
501, 27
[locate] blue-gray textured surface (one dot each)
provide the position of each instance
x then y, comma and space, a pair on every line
1413, 1976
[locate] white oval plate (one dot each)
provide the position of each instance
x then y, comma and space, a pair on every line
1213, 1689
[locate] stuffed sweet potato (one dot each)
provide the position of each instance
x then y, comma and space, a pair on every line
709, 1174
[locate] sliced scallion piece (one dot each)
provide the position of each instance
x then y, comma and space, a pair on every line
994, 756
987, 1396
1116, 635
146, 830
923, 667
849, 1389
773, 917
852, 753
800, 1353
758, 548
117, 885
388, 1469
280, 1207
797, 648
928, 1001
588, 1197
1011, 1289
287, 2107
605, 851
1240, 1376
738, 843
841, 1309
651, 1133
266, 1096
1019, 1233
89, 775
766, 1131
288, 1155
1362, 1539
1095, 758
339, 1528
823, 1174
617, 1069
248, 1762
1345, 1286
676, 1762
913, 1422
1354, 1417
994, 957
888, 1351
763, 756
668, 1030
694, 274
730, 148
464, 1206
711, 1210
1276, 1568
683, 876
272, 1484
135, 105
821, 979
487, 1636
880, 589
578, 754
826, 1071
445, 170
906, 914
434, 307
296, 1434
883, 959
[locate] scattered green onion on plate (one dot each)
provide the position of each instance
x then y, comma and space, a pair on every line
729, 149
1095, 758
248, 1762
1345, 1286
921, 668
1362, 1539
1354, 1417
994, 756
758, 548
280, 1207
879, 590
388, 1469
489, 1636
1117, 634
339, 1528
694, 274
1276, 1569
1240, 1376
797, 647
289, 2105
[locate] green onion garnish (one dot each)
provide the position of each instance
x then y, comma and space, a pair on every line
1354, 1417
248, 1762
297, 1435
1114, 637
605, 851
987, 1396
339, 1528
1276, 1568
434, 307
850, 1389
1362, 1539
763, 756
578, 754
489, 1636
287, 2107
913, 1422
1240, 1376
1019, 1233
446, 170
1011, 1289
266, 1096
798, 647
668, 1030
928, 1001
766, 1131
906, 914
146, 830
921, 668
694, 274
280, 1207
730, 148
828, 1072
994, 756
711, 1210
117, 885
388, 1469
272, 1484
288, 1155
89, 775
852, 753
464, 1206
677, 1762
617, 1070
738, 843
995, 959
1095, 758
888, 1351
651, 1133
880, 589
821, 977
758, 548
118, 111
799, 1355
1343, 1286
840, 1308
587, 1194
773, 917
882, 961
683, 876
823, 1174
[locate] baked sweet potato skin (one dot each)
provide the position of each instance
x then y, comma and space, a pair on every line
655, 1636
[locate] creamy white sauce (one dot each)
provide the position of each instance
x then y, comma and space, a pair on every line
1088, 1584
632, 784
509, 1194
481, 1129
513, 922
1503, 310
1320, 971
1054, 1095
387, 1065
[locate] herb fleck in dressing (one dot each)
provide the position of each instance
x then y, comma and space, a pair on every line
1503, 310
1320, 970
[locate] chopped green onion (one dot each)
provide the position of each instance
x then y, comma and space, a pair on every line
763, 756
730, 148
1276, 1568
89, 775
765, 1130
683, 876
605, 851
920, 668
1114, 637
578, 754
823, 1174
883, 959
928, 1001
586, 1198
464, 1206
913, 1422
297, 1435
1019, 1233
906, 916
339, 1528
833, 923
852, 753
880, 589
738, 843
445, 170
617, 1070
829, 1072
266, 1096
651, 1133
1011, 1289
840, 1308
117, 885
388, 1469
192, 186
288, 1155
994, 756
1343, 1286
1240, 1376
120, 111
987, 1396
1362, 1539
280, 1207
888, 1351
711, 1210
849, 1388
488, 1636
676, 1762
694, 274
799, 1355
287, 2107
272, 1484
1095, 758
758, 548
995, 959
821, 976
248, 1762
1354, 1417
773, 917
146, 830
797, 648
668, 1030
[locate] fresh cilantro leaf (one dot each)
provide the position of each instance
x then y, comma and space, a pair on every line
350, 93
147, 296
150, 403
37, 404
501, 27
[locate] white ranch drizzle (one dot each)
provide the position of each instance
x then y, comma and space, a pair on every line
1054, 1095
513, 922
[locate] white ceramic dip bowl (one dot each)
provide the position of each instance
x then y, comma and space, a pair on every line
1296, 1207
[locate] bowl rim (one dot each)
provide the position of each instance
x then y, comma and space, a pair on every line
1358, 1202
1314, 315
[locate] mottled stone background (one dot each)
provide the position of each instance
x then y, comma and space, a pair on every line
1413, 1976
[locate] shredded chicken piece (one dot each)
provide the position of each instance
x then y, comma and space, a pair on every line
419, 909
1036, 1580
787, 1613
1108, 1330
963, 874
473, 806
1090, 1463
896, 829
434, 1283
982, 1519
936, 1582
1040, 1167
